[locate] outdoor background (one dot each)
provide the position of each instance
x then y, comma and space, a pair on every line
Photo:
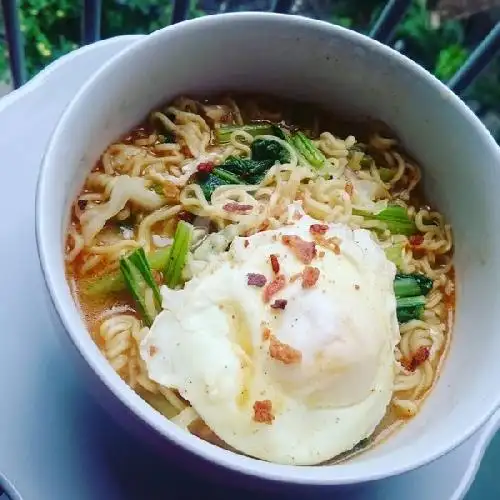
438, 34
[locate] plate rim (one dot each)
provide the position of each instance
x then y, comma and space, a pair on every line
43, 75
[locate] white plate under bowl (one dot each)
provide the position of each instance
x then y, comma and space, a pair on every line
55, 441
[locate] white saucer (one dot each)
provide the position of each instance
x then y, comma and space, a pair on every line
55, 442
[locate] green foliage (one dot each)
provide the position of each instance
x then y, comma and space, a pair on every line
486, 89
439, 48
52, 28
358, 15
449, 61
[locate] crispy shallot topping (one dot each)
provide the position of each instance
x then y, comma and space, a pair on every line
254, 279
237, 208
266, 332
263, 412
310, 276
304, 250
283, 352
332, 243
274, 286
275, 264
279, 304
318, 228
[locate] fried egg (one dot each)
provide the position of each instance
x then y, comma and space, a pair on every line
284, 345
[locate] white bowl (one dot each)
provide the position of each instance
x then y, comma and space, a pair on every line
313, 61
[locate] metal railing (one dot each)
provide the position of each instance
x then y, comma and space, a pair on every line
382, 30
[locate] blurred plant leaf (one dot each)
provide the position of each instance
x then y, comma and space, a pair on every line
449, 61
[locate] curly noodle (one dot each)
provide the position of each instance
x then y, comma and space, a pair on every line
161, 190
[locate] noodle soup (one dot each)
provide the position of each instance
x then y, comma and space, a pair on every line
174, 210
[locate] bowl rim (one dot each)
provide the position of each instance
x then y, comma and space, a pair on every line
304, 475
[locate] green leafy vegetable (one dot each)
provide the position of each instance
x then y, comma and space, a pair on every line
102, 285
410, 291
279, 132
386, 174
227, 176
210, 182
394, 217
159, 258
168, 137
269, 150
247, 169
408, 308
138, 279
397, 220
306, 148
395, 254
178, 254
157, 188
234, 170
223, 134
411, 285
114, 282
366, 161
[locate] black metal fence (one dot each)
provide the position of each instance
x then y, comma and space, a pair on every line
382, 30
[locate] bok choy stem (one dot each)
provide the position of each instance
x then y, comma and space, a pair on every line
178, 255
306, 148
394, 217
411, 285
114, 282
138, 279
409, 308
410, 291
395, 254
223, 134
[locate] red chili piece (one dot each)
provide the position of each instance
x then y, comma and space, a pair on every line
418, 358
185, 216
205, 167
416, 240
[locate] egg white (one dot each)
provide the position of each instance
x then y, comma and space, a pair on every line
208, 343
